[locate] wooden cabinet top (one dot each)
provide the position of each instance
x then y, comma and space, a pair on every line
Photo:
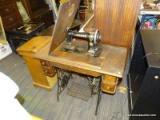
111, 61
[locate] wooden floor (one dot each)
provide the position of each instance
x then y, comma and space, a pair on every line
42, 103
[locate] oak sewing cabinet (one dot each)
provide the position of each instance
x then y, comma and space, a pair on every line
115, 44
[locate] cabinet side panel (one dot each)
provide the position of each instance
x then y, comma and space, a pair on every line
116, 20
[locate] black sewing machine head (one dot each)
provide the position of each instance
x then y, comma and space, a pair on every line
92, 37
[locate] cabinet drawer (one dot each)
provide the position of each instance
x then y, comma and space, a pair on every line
49, 70
5, 2
9, 20
109, 84
7, 10
109, 78
44, 63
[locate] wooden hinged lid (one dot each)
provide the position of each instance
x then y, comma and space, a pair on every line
65, 19
34, 44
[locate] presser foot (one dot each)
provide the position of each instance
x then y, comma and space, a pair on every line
75, 48
94, 53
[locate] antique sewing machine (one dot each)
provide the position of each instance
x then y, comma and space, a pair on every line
91, 37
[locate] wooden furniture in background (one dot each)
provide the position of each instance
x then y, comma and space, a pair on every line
23, 33
39, 11
37, 72
15, 30
75, 26
10, 14
116, 21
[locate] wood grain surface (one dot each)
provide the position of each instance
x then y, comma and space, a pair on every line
116, 20
111, 61
65, 19
27, 51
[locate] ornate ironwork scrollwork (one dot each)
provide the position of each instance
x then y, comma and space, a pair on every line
63, 79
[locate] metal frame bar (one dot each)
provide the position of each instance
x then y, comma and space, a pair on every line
99, 95
63, 81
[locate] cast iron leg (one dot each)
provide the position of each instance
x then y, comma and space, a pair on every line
99, 95
58, 88
62, 81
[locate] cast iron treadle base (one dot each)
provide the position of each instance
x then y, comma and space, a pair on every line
79, 91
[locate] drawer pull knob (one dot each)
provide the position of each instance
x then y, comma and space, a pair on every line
42, 63
11, 19
7, 10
